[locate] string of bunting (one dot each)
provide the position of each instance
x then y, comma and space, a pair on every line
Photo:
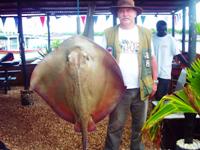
43, 18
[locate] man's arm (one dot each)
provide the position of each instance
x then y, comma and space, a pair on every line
154, 75
154, 68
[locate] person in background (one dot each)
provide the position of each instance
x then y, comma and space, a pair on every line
165, 49
131, 45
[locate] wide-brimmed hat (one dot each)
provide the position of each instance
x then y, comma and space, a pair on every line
126, 4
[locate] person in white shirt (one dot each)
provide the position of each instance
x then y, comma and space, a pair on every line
165, 49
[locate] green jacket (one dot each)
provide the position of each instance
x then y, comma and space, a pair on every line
144, 56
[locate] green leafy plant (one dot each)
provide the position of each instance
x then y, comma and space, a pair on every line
55, 44
198, 28
186, 100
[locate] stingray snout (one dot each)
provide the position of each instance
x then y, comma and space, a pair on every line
78, 58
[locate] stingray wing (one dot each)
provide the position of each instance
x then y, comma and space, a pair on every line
113, 88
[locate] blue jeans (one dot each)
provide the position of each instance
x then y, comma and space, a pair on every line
162, 89
130, 102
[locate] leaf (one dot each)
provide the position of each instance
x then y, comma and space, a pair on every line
198, 28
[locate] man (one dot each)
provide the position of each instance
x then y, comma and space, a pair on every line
130, 44
165, 49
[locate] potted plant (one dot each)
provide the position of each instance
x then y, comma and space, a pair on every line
186, 100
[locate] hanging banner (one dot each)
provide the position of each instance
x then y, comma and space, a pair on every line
107, 17
143, 19
16, 21
83, 19
3, 20
95, 19
42, 19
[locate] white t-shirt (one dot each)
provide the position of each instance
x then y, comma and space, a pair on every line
165, 49
128, 59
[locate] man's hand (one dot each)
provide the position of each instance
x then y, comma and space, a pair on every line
154, 89
154, 76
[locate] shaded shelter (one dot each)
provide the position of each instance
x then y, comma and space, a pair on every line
71, 7
80, 7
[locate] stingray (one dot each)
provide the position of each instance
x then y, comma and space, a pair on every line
80, 81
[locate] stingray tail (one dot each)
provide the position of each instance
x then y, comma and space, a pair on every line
84, 132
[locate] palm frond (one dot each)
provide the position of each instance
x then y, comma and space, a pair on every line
193, 76
186, 100
169, 104
44, 53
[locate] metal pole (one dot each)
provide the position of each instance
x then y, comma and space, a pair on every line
89, 26
49, 36
183, 30
26, 98
78, 18
21, 46
192, 31
114, 15
173, 25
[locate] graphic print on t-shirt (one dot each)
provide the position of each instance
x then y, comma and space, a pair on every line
129, 46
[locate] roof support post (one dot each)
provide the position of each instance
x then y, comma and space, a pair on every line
173, 24
21, 46
78, 18
114, 19
26, 98
192, 56
192, 31
89, 26
183, 29
114, 14
48, 32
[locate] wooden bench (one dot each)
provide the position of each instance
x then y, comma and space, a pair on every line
8, 72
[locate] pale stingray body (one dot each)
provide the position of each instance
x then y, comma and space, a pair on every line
80, 81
